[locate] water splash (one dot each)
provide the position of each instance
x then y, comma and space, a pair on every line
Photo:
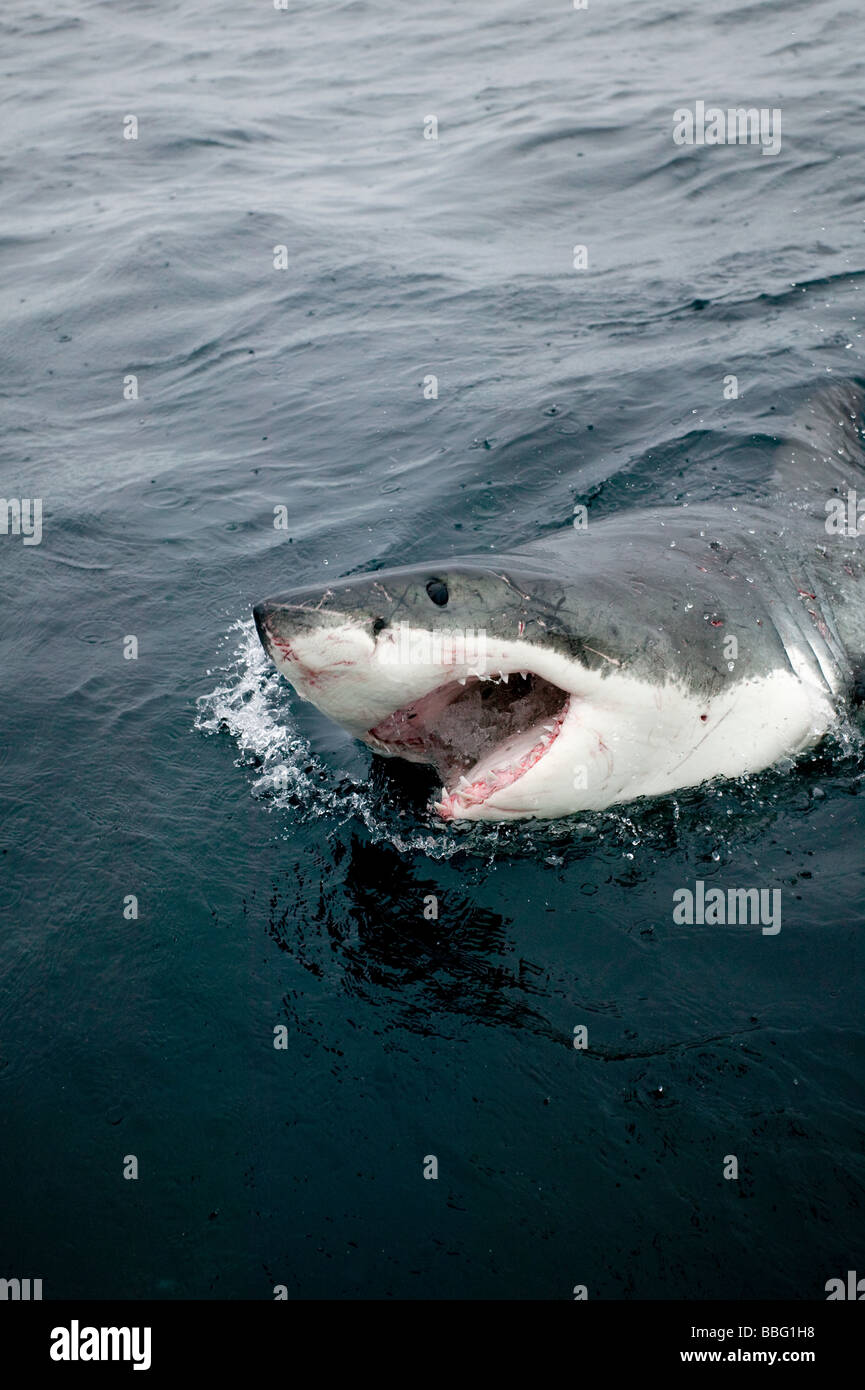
248, 705
251, 705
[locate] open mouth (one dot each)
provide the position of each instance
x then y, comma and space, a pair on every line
482, 734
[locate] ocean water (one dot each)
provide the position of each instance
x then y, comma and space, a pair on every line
280, 876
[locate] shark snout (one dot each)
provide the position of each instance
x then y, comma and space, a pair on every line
260, 613
307, 641
281, 626
279, 620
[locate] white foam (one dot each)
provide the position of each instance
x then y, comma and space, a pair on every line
249, 704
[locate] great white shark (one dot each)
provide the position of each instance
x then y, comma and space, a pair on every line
654, 650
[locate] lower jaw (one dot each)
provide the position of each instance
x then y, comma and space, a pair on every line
448, 809
487, 812
499, 806
456, 805
452, 807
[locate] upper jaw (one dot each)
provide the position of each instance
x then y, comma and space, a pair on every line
352, 678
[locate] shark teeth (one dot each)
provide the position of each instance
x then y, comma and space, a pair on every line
496, 677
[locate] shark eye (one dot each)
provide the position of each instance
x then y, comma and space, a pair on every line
438, 591
377, 626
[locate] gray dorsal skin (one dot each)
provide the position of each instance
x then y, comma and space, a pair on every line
824, 454
668, 586
652, 596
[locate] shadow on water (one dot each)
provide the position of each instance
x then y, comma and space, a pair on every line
371, 928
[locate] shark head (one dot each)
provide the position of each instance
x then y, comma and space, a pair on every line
438, 665
538, 688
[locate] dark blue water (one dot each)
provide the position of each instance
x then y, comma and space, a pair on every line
280, 878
